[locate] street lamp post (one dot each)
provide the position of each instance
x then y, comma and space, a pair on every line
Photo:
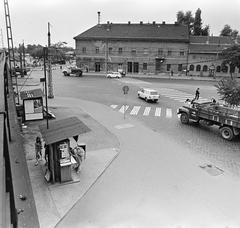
50, 81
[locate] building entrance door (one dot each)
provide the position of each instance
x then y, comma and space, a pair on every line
97, 67
130, 67
135, 67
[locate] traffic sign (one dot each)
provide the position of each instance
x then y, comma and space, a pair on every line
125, 89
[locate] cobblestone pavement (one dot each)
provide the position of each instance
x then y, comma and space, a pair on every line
204, 142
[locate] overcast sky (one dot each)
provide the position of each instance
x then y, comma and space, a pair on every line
69, 18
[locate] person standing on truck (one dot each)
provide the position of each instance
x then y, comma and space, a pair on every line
197, 93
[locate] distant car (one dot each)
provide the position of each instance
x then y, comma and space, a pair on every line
114, 75
149, 94
72, 70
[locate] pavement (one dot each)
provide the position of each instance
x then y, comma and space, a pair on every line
55, 202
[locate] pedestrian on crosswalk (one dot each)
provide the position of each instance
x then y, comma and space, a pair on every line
197, 93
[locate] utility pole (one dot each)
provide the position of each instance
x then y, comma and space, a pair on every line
50, 83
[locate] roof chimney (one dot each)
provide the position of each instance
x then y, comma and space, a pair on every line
99, 17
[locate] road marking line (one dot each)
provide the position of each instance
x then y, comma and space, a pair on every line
168, 113
158, 112
135, 110
114, 106
123, 108
146, 111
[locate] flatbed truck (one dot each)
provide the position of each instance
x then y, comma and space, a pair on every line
208, 113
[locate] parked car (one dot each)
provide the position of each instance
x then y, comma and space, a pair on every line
149, 94
72, 70
114, 75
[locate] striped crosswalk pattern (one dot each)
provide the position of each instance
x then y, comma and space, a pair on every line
177, 95
158, 112
168, 113
146, 111
135, 110
124, 108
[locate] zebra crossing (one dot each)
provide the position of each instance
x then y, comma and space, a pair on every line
178, 95
174, 94
145, 111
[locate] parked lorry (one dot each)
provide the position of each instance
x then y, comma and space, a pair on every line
72, 70
208, 113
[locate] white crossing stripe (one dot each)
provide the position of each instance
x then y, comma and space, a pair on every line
114, 106
123, 108
168, 113
146, 111
135, 110
158, 112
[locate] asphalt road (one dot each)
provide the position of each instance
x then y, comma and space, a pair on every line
204, 142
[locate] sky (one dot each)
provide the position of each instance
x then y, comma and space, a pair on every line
69, 18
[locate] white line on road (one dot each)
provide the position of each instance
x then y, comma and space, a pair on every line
135, 110
147, 111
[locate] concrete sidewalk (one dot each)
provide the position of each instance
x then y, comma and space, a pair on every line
215, 199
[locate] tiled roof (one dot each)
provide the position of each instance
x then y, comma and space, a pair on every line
137, 31
209, 44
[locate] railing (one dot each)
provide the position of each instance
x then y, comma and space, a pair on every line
15, 211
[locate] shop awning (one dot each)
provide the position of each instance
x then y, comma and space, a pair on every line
63, 129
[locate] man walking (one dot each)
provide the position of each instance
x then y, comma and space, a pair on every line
197, 93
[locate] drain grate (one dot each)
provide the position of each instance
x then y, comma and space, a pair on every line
212, 170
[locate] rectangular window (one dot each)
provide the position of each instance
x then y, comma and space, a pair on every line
97, 50
168, 67
145, 51
120, 50
84, 50
160, 51
133, 51
169, 52
144, 66
182, 52
110, 50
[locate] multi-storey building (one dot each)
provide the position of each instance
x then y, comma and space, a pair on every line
149, 48
204, 56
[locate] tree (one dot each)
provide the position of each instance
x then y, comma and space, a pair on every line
197, 25
194, 24
226, 31
185, 19
231, 57
229, 91
206, 30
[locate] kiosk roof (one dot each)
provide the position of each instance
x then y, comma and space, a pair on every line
63, 129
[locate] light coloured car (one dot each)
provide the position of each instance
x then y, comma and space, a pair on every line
114, 75
148, 94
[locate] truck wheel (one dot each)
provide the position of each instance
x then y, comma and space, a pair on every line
78, 74
65, 73
184, 118
227, 133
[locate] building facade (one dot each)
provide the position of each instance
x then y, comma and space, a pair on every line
150, 48
204, 56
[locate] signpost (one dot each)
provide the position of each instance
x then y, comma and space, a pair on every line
125, 91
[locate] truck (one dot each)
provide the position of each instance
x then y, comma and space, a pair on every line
208, 113
72, 70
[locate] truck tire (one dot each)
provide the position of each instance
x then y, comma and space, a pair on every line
65, 73
79, 74
184, 118
227, 133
